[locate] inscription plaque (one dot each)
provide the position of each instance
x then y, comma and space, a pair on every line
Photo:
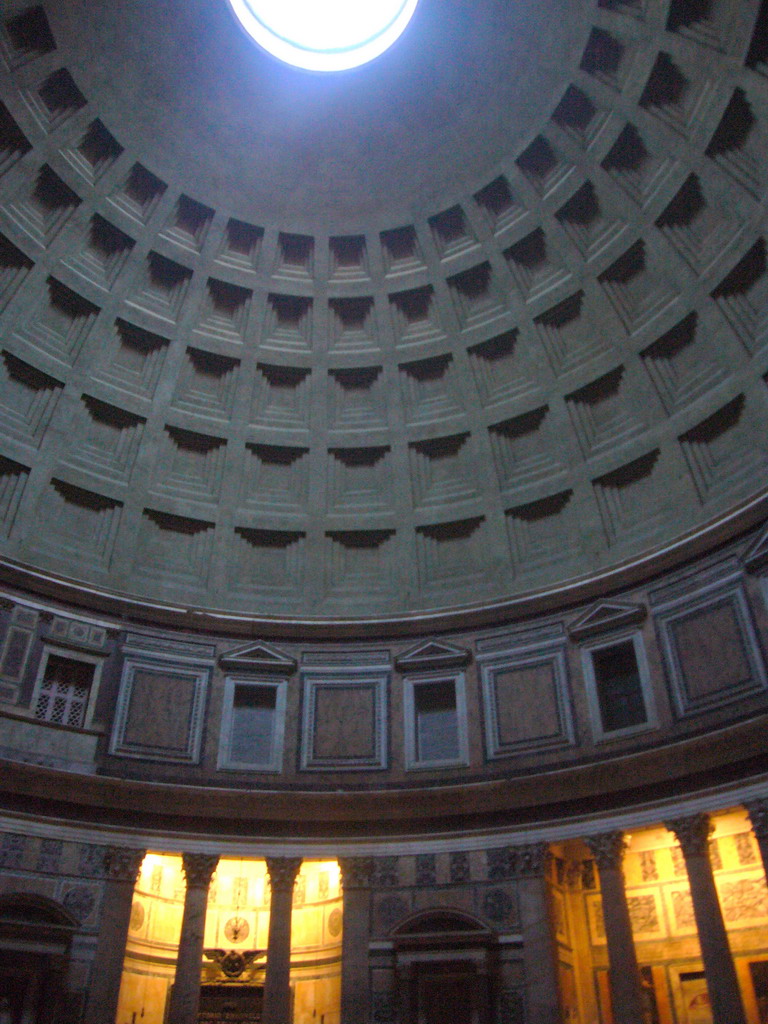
230, 1004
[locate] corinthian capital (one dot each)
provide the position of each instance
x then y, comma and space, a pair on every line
692, 833
607, 849
356, 872
123, 863
198, 869
282, 872
758, 815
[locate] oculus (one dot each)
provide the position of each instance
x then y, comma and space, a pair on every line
332, 35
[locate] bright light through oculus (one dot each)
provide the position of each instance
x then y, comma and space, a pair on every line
324, 36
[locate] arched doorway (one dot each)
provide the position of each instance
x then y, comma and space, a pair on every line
446, 967
35, 940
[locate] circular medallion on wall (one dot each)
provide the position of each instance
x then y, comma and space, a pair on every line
137, 916
236, 929
335, 923
389, 910
79, 902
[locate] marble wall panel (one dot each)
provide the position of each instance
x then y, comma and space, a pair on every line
526, 701
159, 711
344, 720
711, 649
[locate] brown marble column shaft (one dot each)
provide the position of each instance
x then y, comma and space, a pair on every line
758, 815
355, 985
185, 997
122, 867
277, 986
623, 971
724, 994
529, 868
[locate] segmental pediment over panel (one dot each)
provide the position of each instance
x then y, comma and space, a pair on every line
256, 658
605, 617
431, 654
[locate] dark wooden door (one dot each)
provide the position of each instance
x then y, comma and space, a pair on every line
447, 999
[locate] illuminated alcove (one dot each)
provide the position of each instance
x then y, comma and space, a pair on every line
663, 923
237, 922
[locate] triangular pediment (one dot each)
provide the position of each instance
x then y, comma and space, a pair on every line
433, 654
605, 616
756, 555
258, 657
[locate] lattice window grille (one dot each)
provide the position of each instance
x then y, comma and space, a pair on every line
61, 701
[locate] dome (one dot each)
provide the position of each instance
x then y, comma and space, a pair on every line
335, 37
383, 499
477, 320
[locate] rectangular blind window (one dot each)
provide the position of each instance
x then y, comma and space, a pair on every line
437, 724
253, 725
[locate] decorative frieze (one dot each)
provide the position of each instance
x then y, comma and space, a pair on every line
526, 861
426, 869
386, 872
459, 868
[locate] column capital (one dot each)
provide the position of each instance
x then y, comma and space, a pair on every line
283, 872
198, 869
356, 872
608, 849
123, 864
529, 861
692, 833
758, 816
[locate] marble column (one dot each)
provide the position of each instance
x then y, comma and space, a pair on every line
528, 866
122, 868
277, 985
724, 994
185, 996
758, 815
355, 988
623, 971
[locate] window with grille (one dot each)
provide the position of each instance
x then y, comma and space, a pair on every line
64, 691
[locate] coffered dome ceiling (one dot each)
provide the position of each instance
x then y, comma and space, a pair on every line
485, 317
